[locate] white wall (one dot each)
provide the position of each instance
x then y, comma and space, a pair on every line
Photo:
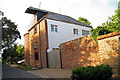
65, 33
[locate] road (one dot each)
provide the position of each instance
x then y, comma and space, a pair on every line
12, 72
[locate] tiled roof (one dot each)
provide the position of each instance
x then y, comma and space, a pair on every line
56, 16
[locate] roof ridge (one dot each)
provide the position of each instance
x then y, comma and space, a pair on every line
51, 12
57, 16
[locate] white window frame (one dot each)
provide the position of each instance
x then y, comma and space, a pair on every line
85, 32
54, 28
75, 31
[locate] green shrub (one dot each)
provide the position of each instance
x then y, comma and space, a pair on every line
23, 64
100, 72
28, 67
5, 61
24, 67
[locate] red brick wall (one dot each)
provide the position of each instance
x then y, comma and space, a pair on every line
77, 52
43, 43
86, 52
119, 57
109, 52
38, 42
31, 47
26, 49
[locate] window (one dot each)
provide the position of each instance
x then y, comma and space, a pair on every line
85, 32
54, 28
36, 56
75, 31
35, 30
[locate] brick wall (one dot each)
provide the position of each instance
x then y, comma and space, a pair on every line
77, 52
31, 47
86, 52
37, 42
26, 49
43, 42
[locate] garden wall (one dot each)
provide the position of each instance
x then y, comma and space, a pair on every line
86, 52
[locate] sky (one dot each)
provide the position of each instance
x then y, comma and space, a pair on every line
96, 11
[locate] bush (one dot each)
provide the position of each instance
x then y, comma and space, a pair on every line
28, 67
23, 64
5, 61
100, 72
24, 67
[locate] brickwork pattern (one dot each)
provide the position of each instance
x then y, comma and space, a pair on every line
37, 42
43, 43
86, 52
77, 52
26, 49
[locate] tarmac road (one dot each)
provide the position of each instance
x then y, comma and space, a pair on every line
12, 72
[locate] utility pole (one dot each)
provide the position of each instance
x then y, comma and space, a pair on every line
1, 14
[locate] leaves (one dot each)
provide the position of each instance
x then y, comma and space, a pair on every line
14, 53
84, 20
10, 33
112, 25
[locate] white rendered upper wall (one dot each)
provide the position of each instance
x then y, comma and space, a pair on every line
65, 33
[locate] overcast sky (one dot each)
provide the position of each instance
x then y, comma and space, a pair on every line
96, 11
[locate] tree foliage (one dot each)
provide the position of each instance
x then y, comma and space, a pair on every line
84, 20
14, 53
10, 33
112, 25
20, 50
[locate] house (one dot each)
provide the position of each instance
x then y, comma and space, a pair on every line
48, 32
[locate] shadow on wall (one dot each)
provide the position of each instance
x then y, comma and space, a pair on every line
119, 57
78, 52
109, 52
38, 43
86, 52
27, 57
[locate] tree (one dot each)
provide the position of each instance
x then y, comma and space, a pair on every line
10, 33
84, 20
20, 51
10, 53
112, 25
14, 53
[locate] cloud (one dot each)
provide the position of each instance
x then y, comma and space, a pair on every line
96, 11
104, 1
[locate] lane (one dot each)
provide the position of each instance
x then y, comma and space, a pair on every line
12, 72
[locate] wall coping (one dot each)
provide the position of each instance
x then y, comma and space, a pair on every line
26, 34
109, 35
